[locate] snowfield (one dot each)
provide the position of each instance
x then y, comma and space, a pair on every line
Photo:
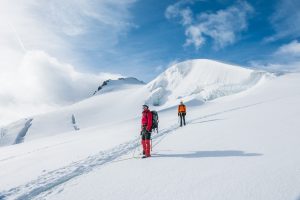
241, 141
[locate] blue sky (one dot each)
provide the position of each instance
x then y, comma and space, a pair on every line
142, 38
156, 40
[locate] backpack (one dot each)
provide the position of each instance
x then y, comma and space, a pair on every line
154, 119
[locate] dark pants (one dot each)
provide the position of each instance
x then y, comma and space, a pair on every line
182, 118
146, 135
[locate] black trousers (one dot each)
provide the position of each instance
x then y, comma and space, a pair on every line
182, 118
146, 135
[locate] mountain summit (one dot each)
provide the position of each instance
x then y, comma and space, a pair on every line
120, 83
201, 78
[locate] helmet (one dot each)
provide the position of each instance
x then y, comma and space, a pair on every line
145, 106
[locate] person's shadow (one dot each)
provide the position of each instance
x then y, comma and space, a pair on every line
205, 154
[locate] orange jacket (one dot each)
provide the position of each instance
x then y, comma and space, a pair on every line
181, 109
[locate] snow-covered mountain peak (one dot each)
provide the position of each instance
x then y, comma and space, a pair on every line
200, 78
193, 81
114, 85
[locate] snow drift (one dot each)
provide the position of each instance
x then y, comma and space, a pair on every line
202, 79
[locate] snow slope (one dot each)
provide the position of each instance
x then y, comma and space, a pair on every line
242, 146
87, 113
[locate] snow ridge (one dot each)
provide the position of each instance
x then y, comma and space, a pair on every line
202, 79
15, 132
120, 83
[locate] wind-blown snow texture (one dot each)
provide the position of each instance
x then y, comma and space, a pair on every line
241, 146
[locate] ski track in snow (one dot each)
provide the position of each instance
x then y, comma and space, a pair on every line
60, 176
49, 181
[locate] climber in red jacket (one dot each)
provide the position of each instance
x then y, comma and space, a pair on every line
146, 130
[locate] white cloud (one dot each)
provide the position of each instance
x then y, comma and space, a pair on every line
284, 59
42, 83
63, 29
292, 49
50, 81
194, 36
277, 66
285, 20
60, 27
223, 26
38, 38
79, 17
185, 15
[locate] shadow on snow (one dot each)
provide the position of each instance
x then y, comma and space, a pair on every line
207, 154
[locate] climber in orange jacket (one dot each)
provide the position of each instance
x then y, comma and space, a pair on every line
182, 112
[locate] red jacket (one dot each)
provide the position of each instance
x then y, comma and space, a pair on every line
147, 119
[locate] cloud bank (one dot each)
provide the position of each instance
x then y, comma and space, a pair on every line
37, 41
286, 58
41, 83
291, 50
